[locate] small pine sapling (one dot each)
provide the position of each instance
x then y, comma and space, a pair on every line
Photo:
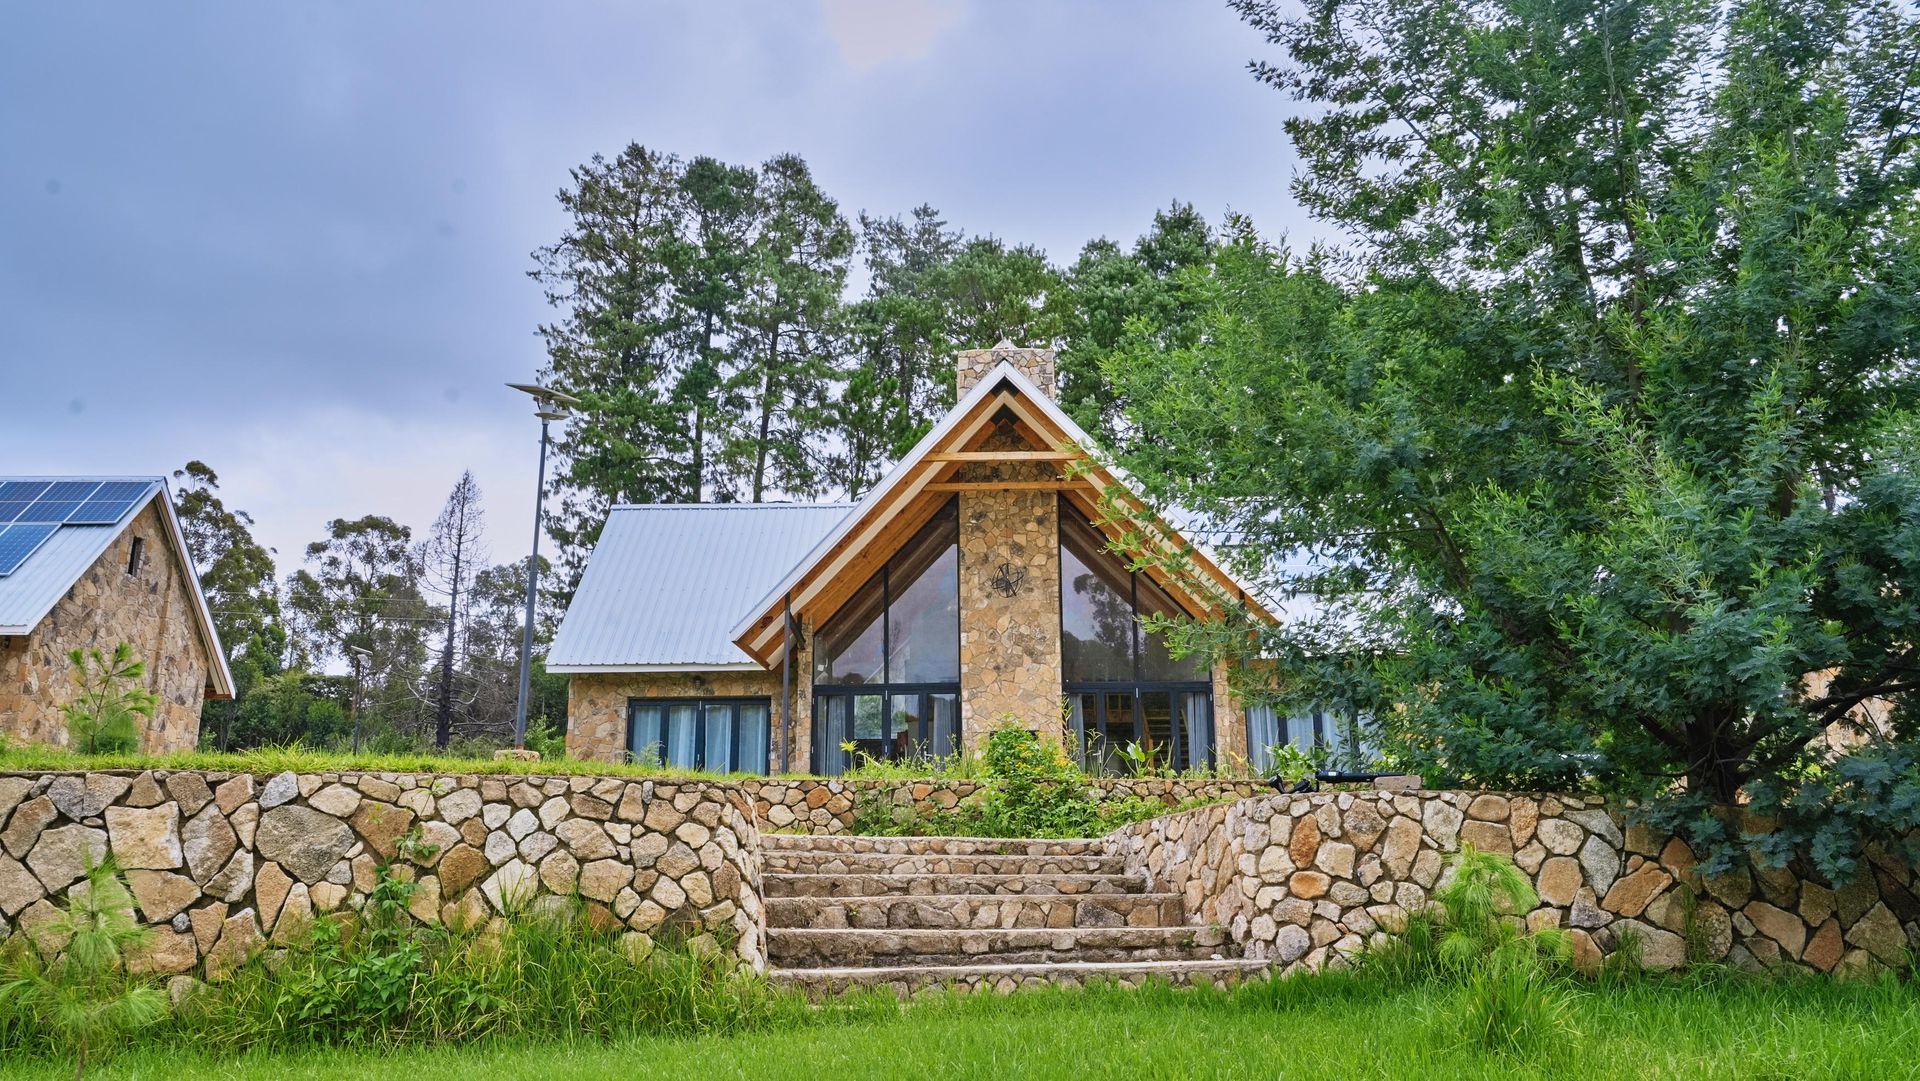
102, 720
82, 992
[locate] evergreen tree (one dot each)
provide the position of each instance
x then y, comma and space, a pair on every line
1110, 293
783, 363
362, 602
618, 344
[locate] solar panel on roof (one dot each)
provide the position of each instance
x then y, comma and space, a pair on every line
23, 490
17, 542
109, 504
11, 508
76, 490
49, 510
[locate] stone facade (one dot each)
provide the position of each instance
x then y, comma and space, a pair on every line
1308, 880
152, 608
223, 865
597, 705
1009, 646
970, 365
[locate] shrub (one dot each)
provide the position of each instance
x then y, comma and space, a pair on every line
66, 985
1511, 988
1034, 789
102, 719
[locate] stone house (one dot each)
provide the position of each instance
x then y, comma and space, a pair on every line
88, 563
976, 583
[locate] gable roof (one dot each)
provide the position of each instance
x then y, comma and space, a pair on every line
913, 485
666, 582
36, 585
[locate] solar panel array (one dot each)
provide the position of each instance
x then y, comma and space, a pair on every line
33, 510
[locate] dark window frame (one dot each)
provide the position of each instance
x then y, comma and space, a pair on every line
828, 758
700, 705
1138, 687
885, 689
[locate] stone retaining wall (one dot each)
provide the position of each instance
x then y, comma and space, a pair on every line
1308, 879
222, 865
830, 806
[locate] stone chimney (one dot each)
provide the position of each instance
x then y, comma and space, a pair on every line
969, 365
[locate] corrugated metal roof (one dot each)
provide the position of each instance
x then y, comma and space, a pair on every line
31, 591
666, 583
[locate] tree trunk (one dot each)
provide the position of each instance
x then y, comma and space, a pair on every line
443, 723
766, 419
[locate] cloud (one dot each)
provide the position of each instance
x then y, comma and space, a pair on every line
871, 33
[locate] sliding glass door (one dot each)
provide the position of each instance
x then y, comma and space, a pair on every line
1141, 727
898, 724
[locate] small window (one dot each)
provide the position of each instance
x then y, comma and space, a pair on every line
136, 556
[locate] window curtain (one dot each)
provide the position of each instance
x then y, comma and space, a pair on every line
643, 735
946, 724
1077, 729
682, 736
830, 760
751, 757
718, 756
1263, 734
1196, 713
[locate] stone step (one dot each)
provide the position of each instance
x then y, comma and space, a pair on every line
951, 846
894, 863
934, 885
907, 980
811, 947
978, 910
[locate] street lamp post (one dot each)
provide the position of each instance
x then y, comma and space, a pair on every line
549, 405
356, 655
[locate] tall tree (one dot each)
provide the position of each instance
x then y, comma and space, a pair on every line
617, 344
931, 290
236, 571
1606, 463
360, 596
454, 551
237, 578
784, 349
709, 264
1110, 293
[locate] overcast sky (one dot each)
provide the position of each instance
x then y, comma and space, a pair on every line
291, 239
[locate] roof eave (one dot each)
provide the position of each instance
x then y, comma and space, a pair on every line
1003, 373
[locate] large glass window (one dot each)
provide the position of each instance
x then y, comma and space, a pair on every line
1131, 704
719, 735
887, 665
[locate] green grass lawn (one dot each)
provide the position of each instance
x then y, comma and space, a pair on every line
1313, 1029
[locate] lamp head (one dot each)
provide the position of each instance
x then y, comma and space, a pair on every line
549, 404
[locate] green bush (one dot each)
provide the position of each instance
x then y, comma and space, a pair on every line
1034, 789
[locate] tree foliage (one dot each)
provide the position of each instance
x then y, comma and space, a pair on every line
1595, 458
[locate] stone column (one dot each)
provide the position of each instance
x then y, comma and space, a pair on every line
1009, 644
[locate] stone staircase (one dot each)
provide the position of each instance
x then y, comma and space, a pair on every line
910, 913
